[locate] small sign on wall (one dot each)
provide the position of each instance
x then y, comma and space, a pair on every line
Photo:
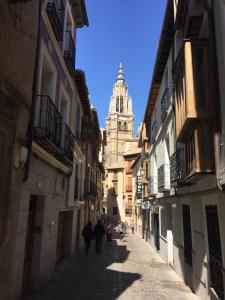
139, 187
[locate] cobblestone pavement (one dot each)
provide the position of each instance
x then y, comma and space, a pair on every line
127, 270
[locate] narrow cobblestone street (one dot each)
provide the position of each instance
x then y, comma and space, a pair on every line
127, 269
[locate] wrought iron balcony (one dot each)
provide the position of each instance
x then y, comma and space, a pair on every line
164, 104
153, 185
177, 168
69, 52
164, 178
48, 126
85, 131
55, 11
67, 144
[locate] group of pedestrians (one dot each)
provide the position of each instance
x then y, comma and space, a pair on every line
99, 231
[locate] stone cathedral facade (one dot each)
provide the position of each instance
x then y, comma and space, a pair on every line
120, 141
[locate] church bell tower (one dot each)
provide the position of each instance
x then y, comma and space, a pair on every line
120, 122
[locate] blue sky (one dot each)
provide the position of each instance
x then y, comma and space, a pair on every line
124, 31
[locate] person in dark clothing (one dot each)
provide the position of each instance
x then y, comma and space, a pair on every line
87, 233
99, 232
109, 232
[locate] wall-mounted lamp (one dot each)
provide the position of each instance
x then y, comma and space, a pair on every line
39, 184
20, 157
51, 225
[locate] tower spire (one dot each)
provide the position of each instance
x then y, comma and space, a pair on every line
120, 74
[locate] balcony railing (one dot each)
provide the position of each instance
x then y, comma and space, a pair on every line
67, 143
192, 12
165, 104
55, 11
69, 52
177, 168
153, 185
164, 178
85, 132
48, 127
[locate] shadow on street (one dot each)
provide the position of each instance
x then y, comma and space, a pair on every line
93, 277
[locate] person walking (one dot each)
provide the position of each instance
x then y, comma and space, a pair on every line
132, 226
109, 232
99, 232
87, 234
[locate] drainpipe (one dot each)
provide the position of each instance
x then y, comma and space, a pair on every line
29, 136
216, 93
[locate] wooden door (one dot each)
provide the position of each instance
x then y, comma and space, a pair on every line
78, 233
215, 250
156, 231
29, 244
6, 142
60, 237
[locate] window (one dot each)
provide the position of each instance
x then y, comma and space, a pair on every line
129, 164
48, 78
129, 181
121, 104
201, 87
115, 186
128, 212
146, 170
55, 11
117, 104
190, 154
119, 125
129, 198
78, 121
115, 210
64, 109
166, 79
125, 125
